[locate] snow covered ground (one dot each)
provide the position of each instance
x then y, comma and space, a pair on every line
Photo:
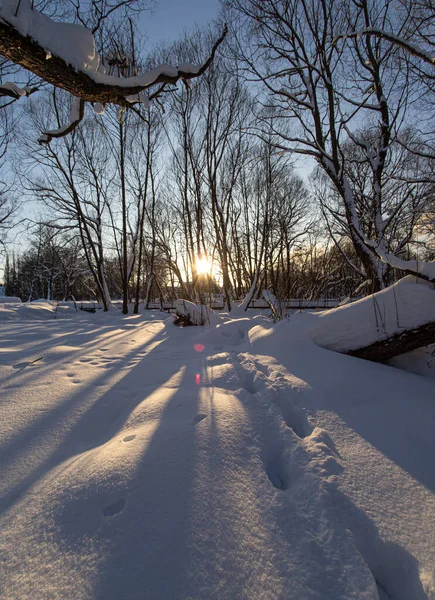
140, 460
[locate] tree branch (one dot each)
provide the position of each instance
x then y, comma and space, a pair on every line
86, 82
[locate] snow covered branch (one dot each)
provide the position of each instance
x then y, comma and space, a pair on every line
14, 91
393, 39
65, 55
75, 116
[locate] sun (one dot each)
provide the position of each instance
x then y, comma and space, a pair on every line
203, 265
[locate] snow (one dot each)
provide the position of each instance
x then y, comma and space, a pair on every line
198, 314
420, 361
238, 460
74, 43
74, 117
76, 46
98, 108
8, 85
407, 304
426, 269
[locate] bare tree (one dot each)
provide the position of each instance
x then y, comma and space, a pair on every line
74, 185
9, 204
324, 92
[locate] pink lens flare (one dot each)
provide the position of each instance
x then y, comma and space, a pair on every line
199, 347
198, 379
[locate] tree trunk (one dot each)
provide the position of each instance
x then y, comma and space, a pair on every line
401, 342
124, 220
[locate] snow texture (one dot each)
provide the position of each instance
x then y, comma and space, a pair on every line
236, 461
73, 43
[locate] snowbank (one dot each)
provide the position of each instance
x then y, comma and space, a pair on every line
408, 304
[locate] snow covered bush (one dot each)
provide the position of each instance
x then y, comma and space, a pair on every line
274, 304
188, 313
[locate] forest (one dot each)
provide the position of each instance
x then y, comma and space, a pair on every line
300, 161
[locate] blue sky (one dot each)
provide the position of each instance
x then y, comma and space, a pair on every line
166, 22
170, 18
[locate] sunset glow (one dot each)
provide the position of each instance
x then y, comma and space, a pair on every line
203, 265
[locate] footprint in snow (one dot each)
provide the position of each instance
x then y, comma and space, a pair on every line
113, 509
199, 418
276, 475
129, 438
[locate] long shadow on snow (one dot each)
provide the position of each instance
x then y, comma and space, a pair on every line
394, 569
50, 340
145, 522
97, 423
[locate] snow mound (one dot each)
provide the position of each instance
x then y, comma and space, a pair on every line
36, 310
408, 304
198, 314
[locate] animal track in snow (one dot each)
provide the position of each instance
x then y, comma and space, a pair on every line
249, 383
129, 438
296, 420
113, 509
276, 475
199, 418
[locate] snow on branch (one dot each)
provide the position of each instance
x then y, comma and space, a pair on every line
14, 91
393, 39
64, 54
419, 268
75, 116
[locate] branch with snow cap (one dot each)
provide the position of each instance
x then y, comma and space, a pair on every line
28, 37
75, 116
393, 39
14, 91
419, 268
